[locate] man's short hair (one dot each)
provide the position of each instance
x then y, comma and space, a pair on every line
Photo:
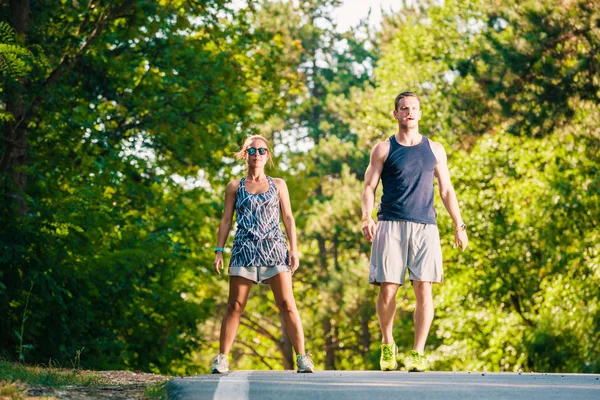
403, 95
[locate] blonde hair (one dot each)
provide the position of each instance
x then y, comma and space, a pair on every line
242, 154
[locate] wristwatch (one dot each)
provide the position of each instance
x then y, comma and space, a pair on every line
462, 227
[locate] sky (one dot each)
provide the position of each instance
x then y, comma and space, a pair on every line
351, 11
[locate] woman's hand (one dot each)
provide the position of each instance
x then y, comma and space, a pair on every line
294, 261
218, 264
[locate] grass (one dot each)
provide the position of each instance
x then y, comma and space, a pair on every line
45, 376
156, 391
10, 391
17, 379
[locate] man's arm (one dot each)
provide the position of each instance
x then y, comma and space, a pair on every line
448, 195
372, 176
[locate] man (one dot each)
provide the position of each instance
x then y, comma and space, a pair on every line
406, 234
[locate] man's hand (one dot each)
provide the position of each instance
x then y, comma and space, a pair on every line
368, 229
460, 239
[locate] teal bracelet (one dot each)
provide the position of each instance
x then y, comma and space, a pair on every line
222, 250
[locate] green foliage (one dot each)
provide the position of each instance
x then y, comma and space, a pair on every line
48, 376
539, 60
11, 65
136, 109
531, 269
126, 148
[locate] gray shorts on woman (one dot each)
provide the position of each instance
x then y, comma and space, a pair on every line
401, 245
258, 274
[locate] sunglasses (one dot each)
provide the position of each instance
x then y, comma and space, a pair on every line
253, 150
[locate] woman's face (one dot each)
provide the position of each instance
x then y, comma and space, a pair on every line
254, 158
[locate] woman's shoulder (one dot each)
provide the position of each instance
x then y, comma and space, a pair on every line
233, 185
279, 182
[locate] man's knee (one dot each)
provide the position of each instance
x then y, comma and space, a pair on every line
387, 293
423, 293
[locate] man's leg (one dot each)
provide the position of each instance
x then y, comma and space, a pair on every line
425, 269
423, 313
386, 310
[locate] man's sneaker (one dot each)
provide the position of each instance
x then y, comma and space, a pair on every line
220, 365
305, 364
417, 362
388, 362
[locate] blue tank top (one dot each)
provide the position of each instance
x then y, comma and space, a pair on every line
259, 240
407, 180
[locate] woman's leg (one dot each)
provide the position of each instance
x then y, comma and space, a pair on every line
239, 289
281, 285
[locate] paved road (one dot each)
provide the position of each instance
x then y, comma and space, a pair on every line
373, 385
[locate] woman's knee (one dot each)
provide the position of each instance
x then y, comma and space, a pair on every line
235, 307
287, 306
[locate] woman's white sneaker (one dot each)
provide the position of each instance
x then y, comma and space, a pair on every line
220, 365
305, 364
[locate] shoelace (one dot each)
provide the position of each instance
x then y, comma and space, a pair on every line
387, 353
417, 359
221, 358
304, 358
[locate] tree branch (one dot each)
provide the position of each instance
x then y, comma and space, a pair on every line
517, 305
251, 348
85, 19
66, 60
262, 318
15, 144
257, 328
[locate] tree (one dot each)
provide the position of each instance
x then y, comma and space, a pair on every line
124, 131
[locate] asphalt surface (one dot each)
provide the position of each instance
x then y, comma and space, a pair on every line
372, 385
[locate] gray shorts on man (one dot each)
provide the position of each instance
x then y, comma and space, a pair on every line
401, 245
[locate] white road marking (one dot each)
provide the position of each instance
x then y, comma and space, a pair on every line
233, 386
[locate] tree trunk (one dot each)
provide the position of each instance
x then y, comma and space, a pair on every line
286, 348
336, 262
329, 344
322, 255
365, 335
327, 326
14, 158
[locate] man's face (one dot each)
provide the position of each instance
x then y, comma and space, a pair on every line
409, 112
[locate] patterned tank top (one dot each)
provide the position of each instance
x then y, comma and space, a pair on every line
259, 240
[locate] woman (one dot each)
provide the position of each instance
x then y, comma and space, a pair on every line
259, 251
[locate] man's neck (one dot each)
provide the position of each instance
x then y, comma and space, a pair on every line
409, 137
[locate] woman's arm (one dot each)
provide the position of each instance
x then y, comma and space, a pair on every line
288, 221
225, 225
